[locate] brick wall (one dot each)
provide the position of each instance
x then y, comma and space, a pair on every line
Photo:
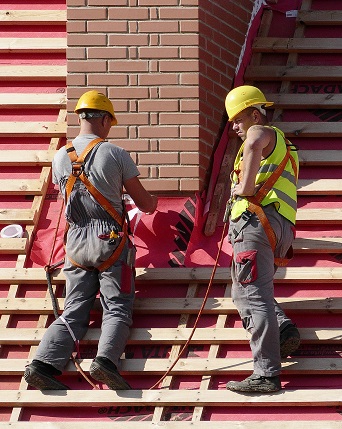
167, 66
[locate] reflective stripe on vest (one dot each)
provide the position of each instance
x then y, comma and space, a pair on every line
284, 192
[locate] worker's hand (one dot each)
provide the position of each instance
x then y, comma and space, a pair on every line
154, 204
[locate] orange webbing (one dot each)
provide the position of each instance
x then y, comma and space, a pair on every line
254, 205
77, 162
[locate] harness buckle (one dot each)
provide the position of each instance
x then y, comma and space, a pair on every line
77, 168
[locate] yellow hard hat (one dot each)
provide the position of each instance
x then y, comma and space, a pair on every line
242, 97
95, 100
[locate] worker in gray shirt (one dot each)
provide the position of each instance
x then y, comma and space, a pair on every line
91, 174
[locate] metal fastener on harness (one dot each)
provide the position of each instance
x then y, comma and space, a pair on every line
77, 168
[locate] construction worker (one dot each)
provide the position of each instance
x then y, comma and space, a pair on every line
99, 252
261, 231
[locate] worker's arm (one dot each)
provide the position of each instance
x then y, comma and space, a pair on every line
143, 199
259, 141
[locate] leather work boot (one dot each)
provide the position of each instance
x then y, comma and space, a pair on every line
40, 376
255, 383
289, 340
103, 370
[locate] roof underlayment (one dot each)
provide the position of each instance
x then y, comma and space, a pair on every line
296, 59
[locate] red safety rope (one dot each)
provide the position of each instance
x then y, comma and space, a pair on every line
200, 310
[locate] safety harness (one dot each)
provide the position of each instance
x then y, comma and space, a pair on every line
78, 173
254, 204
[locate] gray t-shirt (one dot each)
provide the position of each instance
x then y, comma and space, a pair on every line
107, 167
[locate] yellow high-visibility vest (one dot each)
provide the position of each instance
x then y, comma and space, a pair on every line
284, 192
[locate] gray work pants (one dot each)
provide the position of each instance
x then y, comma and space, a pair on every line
116, 288
253, 271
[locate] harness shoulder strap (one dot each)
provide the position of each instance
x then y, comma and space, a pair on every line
254, 203
78, 173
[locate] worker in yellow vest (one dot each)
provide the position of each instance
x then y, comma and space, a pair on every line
263, 207
91, 173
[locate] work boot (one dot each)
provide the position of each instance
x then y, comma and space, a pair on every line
103, 370
289, 340
41, 376
255, 383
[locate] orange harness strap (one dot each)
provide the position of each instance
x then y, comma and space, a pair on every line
78, 173
255, 206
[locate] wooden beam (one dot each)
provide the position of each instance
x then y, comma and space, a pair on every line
299, 45
180, 275
184, 397
33, 129
290, 73
320, 157
320, 17
33, 101
21, 216
306, 101
20, 187
16, 246
207, 366
310, 129
319, 187
32, 336
33, 17
33, 73
27, 157
30, 44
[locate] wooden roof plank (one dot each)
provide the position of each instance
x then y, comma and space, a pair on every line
27, 157
320, 157
196, 366
32, 336
173, 305
299, 45
179, 275
21, 216
320, 17
306, 100
319, 187
12, 246
310, 129
33, 100
21, 187
33, 72
291, 73
33, 17
32, 44
32, 129
208, 398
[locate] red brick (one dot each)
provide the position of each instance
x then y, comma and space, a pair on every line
159, 79
158, 52
158, 132
128, 39
191, 185
106, 53
180, 13
179, 92
76, 54
178, 118
179, 145
129, 66
161, 185
107, 26
128, 13
179, 39
158, 158
158, 26
87, 40
178, 65
87, 13
106, 80
178, 171
158, 105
